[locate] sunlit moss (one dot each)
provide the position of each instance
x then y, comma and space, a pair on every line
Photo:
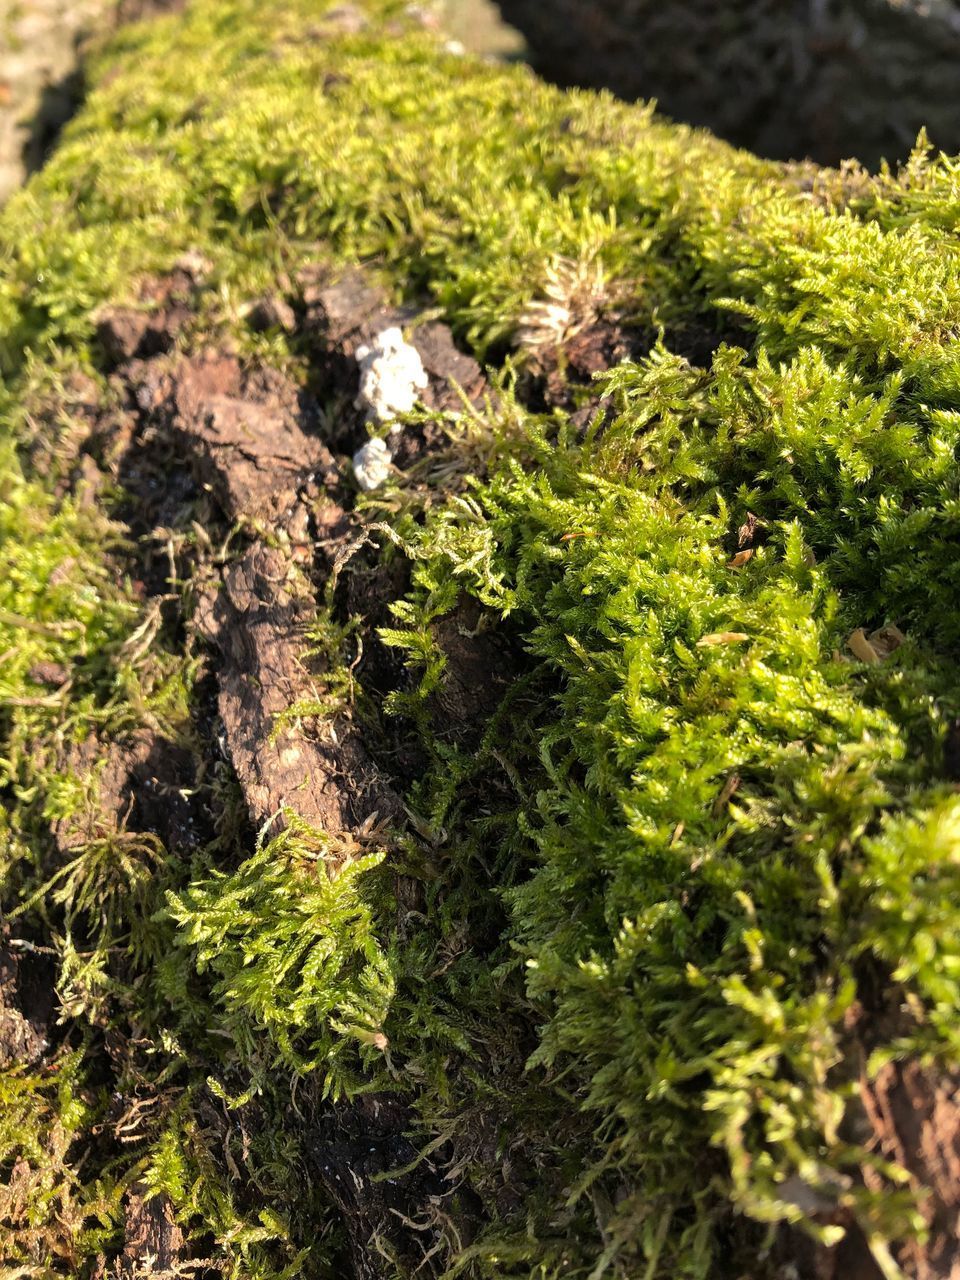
641, 904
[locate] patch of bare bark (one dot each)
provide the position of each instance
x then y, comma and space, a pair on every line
259, 619
252, 442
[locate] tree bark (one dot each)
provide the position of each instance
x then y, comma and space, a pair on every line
829, 79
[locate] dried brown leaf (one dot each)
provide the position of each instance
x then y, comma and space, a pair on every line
885, 640
729, 787
878, 645
747, 532
861, 648
721, 637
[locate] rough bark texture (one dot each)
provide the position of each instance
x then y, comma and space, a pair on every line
345, 314
258, 621
825, 78
911, 1115
479, 668
26, 1005
252, 440
363, 1158
908, 1113
245, 436
153, 1243
915, 1115
144, 783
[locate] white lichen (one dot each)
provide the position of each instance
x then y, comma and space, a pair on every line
391, 375
371, 464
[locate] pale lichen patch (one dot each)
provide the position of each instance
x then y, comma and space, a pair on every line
391, 374
371, 464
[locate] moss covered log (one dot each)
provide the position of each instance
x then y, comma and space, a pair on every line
828, 80
480, 719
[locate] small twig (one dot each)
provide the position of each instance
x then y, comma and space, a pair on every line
23, 944
51, 700
39, 628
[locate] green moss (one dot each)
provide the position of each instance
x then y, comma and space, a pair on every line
693, 949
48, 1214
292, 950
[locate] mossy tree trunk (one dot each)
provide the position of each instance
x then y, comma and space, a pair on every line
539, 858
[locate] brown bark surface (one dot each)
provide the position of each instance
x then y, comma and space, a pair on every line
258, 622
914, 1112
153, 1243
245, 436
27, 1004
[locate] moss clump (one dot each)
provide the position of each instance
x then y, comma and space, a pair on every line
731, 817
617, 970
